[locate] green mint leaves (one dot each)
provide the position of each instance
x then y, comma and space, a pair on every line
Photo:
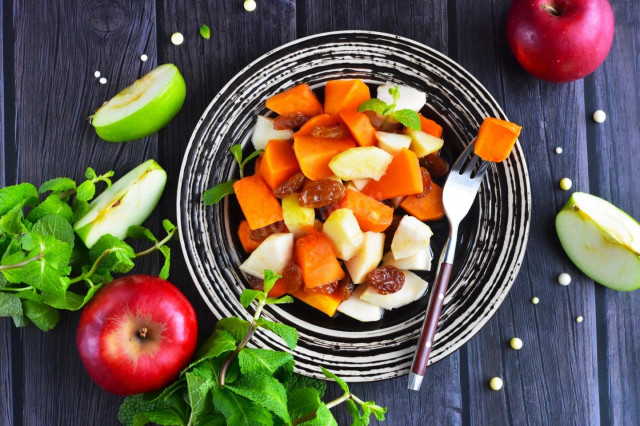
407, 117
44, 267
216, 193
230, 383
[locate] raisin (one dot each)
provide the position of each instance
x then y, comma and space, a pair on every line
289, 121
289, 186
426, 183
260, 234
292, 277
391, 230
338, 131
346, 287
436, 166
386, 279
321, 193
327, 288
255, 283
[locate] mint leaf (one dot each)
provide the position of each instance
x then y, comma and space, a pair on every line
286, 333
358, 420
43, 316
71, 301
133, 411
303, 401
369, 408
408, 118
200, 383
166, 252
80, 208
270, 279
3, 282
141, 233
395, 94
17, 196
57, 185
279, 300
262, 361
373, 104
215, 194
239, 410
168, 226
55, 226
323, 418
10, 305
86, 190
329, 375
236, 150
12, 222
51, 205
205, 32
249, 295
218, 343
236, 327
118, 257
251, 156
264, 391
90, 173
297, 381
164, 416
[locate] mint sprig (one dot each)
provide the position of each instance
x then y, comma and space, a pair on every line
230, 383
407, 117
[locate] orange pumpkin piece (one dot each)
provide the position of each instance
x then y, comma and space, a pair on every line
256, 166
314, 154
428, 207
371, 215
496, 139
279, 162
259, 205
430, 127
319, 120
344, 95
403, 177
297, 99
244, 231
317, 260
360, 127
327, 303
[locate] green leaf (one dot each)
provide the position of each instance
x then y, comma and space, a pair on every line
71, 301
297, 381
141, 233
373, 104
90, 173
21, 320
86, 190
265, 391
10, 305
329, 375
323, 418
205, 32
168, 226
238, 410
213, 195
236, 150
358, 420
369, 408
3, 282
57, 185
218, 343
249, 295
105, 178
270, 279
395, 93
51, 205
262, 361
43, 316
200, 383
279, 300
237, 327
17, 196
12, 222
56, 226
166, 252
133, 411
303, 401
251, 156
80, 208
286, 333
119, 254
164, 416
408, 117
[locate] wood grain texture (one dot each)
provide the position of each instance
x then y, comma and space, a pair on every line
614, 150
553, 379
58, 46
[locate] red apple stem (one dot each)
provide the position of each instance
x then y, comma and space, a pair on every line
550, 9
142, 333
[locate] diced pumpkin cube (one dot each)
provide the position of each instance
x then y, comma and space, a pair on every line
315, 256
496, 139
259, 205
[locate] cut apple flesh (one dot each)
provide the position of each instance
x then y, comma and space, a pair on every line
263, 132
142, 108
359, 309
602, 241
413, 289
129, 201
274, 253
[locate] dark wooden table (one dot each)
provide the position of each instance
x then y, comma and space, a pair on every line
567, 373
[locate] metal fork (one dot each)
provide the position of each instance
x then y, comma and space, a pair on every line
458, 194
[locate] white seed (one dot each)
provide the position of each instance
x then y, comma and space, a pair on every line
177, 39
250, 5
558, 150
96, 74
495, 383
579, 319
564, 279
599, 116
516, 343
103, 80
535, 300
565, 184
144, 57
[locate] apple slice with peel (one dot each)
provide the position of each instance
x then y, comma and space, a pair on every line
366, 162
274, 253
263, 132
142, 108
423, 143
413, 289
421, 261
129, 201
359, 309
602, 241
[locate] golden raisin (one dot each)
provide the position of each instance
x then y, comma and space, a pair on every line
289, 121
260, 234
337, 131
289, 186
426, 183
321, 193
436, 166
385, 279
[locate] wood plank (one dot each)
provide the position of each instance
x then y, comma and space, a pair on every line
58, 46
553, 379
613, 154
440, 400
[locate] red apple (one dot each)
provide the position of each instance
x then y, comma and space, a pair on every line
136, 334
560, 40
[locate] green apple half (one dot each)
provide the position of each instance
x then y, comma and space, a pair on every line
602, 240
142, 108
129, 201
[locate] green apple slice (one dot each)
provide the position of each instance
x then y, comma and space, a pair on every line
129, 201
142, 108
602, 240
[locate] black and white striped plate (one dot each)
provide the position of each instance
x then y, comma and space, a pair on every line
494, 235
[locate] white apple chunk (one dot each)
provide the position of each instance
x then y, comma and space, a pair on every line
129, 201
274, 253
344, 232
392, 142
411, 236
359, 184
263, 132
366, 162
423, 143
413, 289
409, 98
421, 261
296, 217
367, 258
359, 309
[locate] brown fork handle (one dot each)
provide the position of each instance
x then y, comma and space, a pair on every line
430, 325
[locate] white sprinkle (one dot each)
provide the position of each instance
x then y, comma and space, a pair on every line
96, 74
495, 383
249, 5
565, 184
516, 343
564, 279
177, 39
599, 116
558, 150
579, 319
535, 300
103, 80
144, 57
